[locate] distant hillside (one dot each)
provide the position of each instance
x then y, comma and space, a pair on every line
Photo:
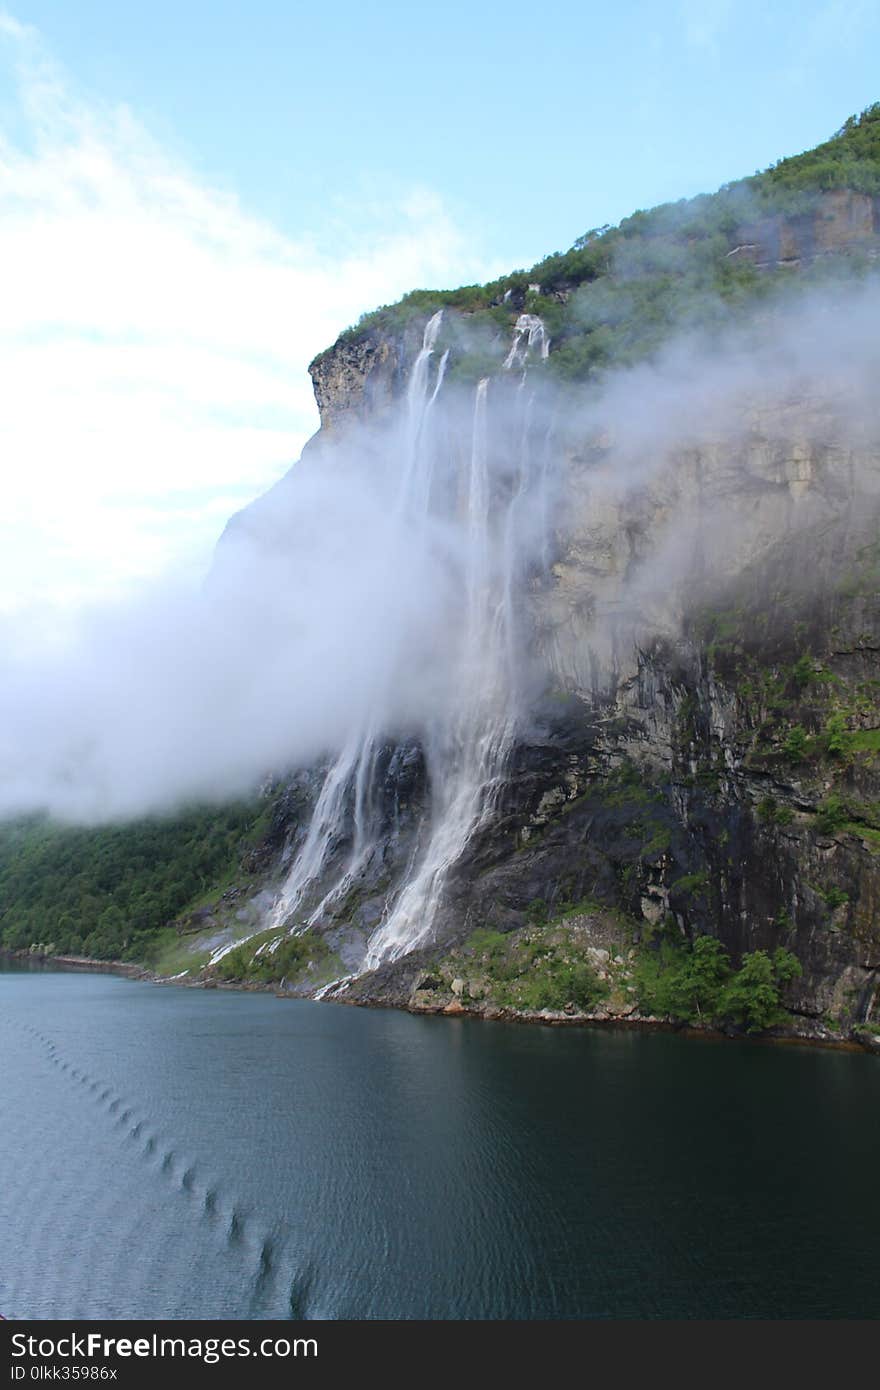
108, 891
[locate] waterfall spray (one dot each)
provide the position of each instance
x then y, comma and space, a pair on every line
467, 749
353, 773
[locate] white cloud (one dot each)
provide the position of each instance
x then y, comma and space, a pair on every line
154, 338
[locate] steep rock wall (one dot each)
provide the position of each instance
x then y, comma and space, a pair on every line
705, 621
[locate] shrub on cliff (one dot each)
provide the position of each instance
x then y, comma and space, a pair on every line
683, 982
751, 997
697, 984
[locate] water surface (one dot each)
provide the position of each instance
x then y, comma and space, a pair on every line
169, 1152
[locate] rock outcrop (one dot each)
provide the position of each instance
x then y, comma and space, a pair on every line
360, 376
844, 220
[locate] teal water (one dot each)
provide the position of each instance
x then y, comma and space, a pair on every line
167, 1152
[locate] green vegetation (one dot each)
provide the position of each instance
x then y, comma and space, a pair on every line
660, 841
684, 984
618, 292
801, 721
771, 813
696, 983
850, 159
865, 741
265, 959
834, 896
171, 953
868, 832
850, 814
626, 786
534, 971
107, 891
831, 816
691, 884
837, 736
751, 996
803, 671
795, 745
669, 977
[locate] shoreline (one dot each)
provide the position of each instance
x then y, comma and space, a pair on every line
811, 1035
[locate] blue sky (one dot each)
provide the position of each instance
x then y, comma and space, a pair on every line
534, 121
196, 197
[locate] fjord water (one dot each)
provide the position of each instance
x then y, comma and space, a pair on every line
170, 1152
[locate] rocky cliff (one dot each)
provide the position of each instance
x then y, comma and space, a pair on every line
705, 756
701, 757
650, 470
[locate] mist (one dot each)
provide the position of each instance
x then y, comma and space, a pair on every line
329, 609
197, 694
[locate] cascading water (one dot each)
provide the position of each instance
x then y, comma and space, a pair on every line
354, 771
466, 750
466, 756
528, 333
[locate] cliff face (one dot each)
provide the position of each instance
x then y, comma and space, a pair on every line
701, 755
844, 219
706, 757
358, 379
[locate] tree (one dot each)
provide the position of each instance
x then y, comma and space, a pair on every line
702, 976
751, 997
684, 982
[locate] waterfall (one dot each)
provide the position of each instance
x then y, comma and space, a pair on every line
353, 774
528, 333
494, 486
466, 756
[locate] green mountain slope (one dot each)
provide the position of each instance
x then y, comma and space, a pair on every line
619, 292
108, 891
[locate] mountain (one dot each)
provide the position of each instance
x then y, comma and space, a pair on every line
619, 292
644, 782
